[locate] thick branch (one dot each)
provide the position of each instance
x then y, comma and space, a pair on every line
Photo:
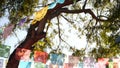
82, 10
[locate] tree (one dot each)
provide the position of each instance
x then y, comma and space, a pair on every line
100, 25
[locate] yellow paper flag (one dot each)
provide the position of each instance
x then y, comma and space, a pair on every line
40, 14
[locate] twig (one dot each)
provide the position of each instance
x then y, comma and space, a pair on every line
84, 4
67, 19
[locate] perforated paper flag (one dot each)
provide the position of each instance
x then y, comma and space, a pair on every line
22, 54
57, 59
22, 21
1, 63
52, 5
40, 65
88, 62
102, 62
74, 60
80, 65
40, 56
4, 51
8, 30
116, 62
39, 14
68, 65
24, 64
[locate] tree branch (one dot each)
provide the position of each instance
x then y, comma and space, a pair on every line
84, 4
81, 11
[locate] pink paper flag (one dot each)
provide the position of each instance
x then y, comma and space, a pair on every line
22, 54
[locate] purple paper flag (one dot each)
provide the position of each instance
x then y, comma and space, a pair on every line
8, 30
22, 21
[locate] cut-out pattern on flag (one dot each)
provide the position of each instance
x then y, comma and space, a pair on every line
1, 31
40, 65
40, 14
102, 63
1, 63
68, 65
110, 64
116, 62
40, 56
4, 51
57, 59
81, 65
24, 64
22, 21
88, 62
22, 54
8, 30
74, 60
53, 66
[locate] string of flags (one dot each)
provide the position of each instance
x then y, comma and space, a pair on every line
42, 59
39, 15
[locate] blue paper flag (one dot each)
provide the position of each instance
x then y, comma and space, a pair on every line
24, 64
52, 5
57, 59
60, 1
81, 65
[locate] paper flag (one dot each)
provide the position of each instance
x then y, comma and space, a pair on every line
22, 21
74, 60
40, 56
88, 62
1, 63
22, 54
4, 51
53, 66
40, 65
60, 1
102, 62
7, 31
80, 65
116, 62
57, 59
1, 31
39, 15
52, 5
110, 64
68, 65
24, 64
